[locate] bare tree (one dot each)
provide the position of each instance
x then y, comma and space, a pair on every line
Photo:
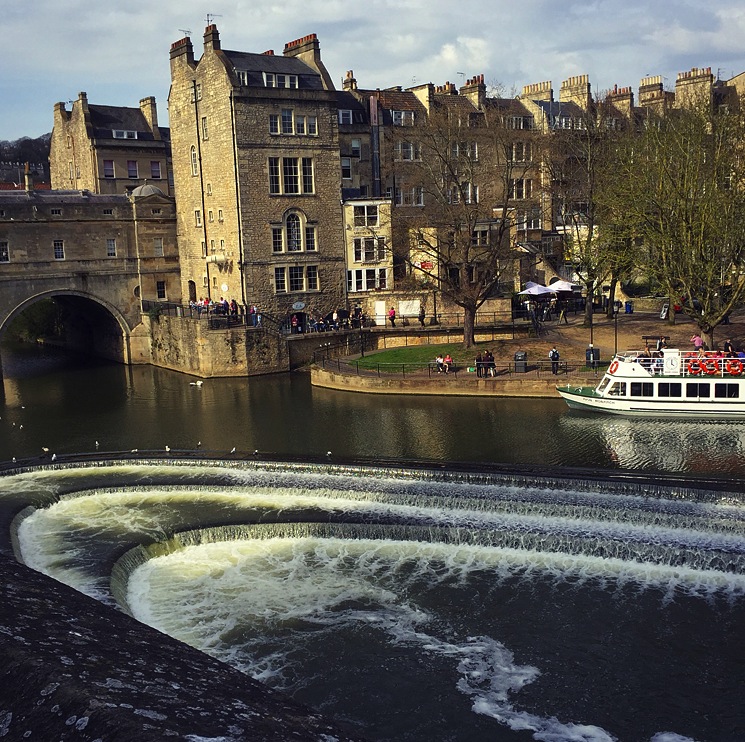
681, 184
467, 176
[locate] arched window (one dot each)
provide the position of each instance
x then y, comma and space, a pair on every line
294, 238
194, 164
294, 235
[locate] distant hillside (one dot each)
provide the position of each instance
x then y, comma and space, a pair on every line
14, 155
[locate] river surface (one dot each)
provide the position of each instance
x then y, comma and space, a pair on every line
412, 601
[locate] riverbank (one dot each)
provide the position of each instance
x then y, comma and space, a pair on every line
626, 332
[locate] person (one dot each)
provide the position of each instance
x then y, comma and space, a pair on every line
233, 307
661, 344
479, 363
440, 361
294, 323
392, 316
554, 356
491, 366
447, 362
563, 314
335, 320
697, 341
421, 315
252, 312
729, 349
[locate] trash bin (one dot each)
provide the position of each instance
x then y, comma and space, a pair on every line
629, 307
521, 362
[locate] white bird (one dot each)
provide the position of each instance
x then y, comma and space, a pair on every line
54, 457
96, 445
168, 449
20, 427
45, 449
14, 459
256, 451
328, 453
134, 450
232, 450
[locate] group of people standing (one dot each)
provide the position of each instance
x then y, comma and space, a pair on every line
485, 364
206, 305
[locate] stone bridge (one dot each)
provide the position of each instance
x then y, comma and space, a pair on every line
96, 256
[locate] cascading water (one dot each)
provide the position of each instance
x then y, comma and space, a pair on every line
422, 604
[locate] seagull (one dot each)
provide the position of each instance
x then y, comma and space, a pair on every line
328, 453
20, 427
45, 449
54, 457
199, 443
134, 450
256, 451
96, 445
168, 449
232, 450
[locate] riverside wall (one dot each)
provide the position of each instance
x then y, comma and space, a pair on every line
516, 385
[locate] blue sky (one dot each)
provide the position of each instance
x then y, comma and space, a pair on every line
118, 51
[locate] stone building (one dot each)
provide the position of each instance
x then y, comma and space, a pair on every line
257, 172
109, 149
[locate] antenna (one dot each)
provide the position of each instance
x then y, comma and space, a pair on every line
185, 31
463, 75
211, 17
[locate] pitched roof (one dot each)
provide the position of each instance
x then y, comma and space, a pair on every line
255, 64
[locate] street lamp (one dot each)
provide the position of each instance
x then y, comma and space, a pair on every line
615, 329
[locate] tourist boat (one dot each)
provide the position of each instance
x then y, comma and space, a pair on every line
671, 383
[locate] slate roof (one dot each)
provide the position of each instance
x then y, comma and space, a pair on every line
104, 119
255, 64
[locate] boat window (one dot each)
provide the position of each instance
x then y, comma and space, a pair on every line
727, 391
698, 389
603, 385
618, 389
642, 389
669, 389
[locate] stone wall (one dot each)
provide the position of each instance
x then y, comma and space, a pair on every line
188, 345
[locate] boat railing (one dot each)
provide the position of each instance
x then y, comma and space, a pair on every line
673, 362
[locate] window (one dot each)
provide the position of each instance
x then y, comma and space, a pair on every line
520, 152
204, 251
242, 77
279, 281
219, 215
480, 238
465, 150
158, 247
274, 123
697, 389
521, 188
287, 125
155, 170
356, 147
160, 289
209, 189
369, 249
108, 212
4, 252
294, 236
408, 196
726, 391
668, 389
528, 219
155, 212
272, 80
59, 249
346, 168
124, 134
642, 389
210, 216
295, 175
311, 277
345, 116
205, 130
408, 151
297, 277
368, 279
197, 217
311, 125
194, 163
310, 238
402, 118
132, 169
366, 215
294, 239
110, 248
520, 122
108, 168
56, 212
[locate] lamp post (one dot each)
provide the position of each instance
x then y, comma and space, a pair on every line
615, 329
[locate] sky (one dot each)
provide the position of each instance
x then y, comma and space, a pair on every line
118, 51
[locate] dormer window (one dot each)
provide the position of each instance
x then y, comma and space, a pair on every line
345, 116
275, 80
242, 77
402, 118
124, 134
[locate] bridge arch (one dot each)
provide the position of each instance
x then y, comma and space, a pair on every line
94, 324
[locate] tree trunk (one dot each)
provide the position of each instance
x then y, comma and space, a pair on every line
469, 324
611, 298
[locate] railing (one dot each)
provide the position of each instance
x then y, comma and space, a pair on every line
538, 369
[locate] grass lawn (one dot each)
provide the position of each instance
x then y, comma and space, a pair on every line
420, 354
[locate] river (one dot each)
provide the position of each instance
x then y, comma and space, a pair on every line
395, 574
